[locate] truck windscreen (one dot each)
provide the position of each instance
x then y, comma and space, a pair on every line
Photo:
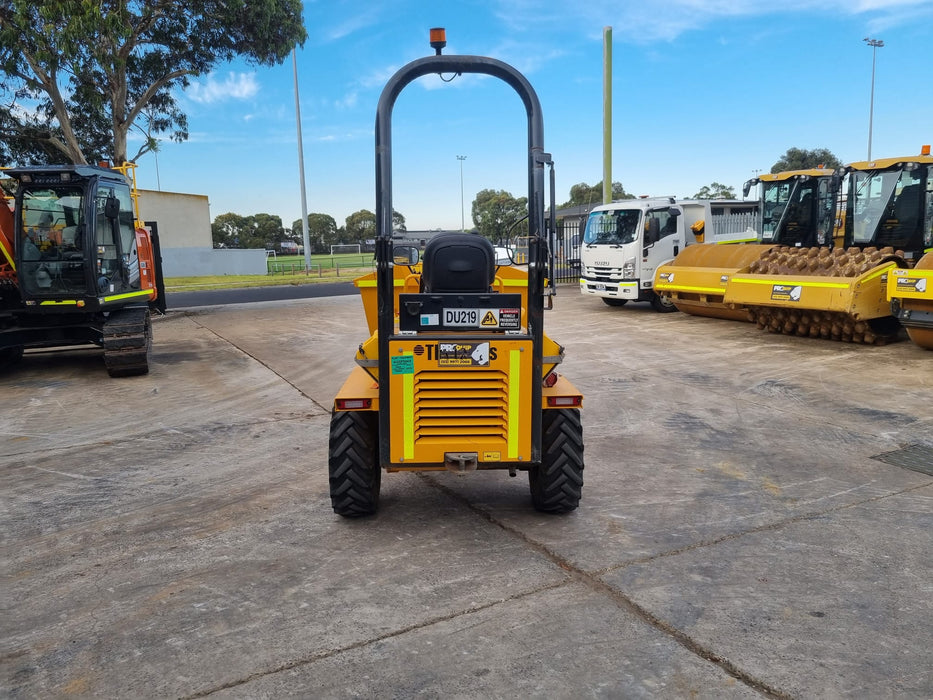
615, 227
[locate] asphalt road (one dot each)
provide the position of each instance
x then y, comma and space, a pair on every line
756, 522
216, 297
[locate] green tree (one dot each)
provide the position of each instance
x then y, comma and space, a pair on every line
398, 222
359, 227
802, 159
495, 212
78, 75
255, 231
715, 190
583, 194
322, 232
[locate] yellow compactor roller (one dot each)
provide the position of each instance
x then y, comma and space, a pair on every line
807, 287
911, 294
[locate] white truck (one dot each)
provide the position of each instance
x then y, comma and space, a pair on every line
626, 241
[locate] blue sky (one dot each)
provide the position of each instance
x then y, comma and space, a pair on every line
703, 91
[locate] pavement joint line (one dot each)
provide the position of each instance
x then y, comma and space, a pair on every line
327, 653
624, 602
777, 525
264, 364
51, 451
594, 579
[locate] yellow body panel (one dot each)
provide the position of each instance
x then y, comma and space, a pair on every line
460, 396
862, 297
913, 290
697, 279
359, 385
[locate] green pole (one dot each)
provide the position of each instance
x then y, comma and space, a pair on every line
607, 115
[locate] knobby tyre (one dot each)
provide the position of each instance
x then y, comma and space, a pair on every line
557, 483
353, 463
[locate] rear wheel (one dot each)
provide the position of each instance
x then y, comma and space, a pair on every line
663, 305
614, 302
353, 463
557, 483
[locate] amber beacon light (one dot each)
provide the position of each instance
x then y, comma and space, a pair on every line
438, 39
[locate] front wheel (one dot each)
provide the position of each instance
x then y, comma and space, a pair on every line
557, 483
608, 301
353, 463
663, 305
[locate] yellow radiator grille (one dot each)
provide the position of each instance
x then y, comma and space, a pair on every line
460, 404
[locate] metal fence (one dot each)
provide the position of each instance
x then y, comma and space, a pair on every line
564, 246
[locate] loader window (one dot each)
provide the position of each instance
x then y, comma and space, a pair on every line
886, 209
616, 227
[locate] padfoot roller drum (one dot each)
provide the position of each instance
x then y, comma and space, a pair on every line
833, 294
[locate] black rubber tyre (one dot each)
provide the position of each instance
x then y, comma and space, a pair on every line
614, 302
128, 342
663, 305
557, 484
10, 356
353, 463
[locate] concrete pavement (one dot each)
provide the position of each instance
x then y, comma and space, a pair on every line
743, 531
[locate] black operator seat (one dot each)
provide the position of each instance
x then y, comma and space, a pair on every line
458, 262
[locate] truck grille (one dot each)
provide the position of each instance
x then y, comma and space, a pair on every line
467, 404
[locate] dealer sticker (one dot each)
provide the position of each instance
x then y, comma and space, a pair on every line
786, 292
462, 354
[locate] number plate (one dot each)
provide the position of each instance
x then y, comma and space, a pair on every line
600, 288
461, 318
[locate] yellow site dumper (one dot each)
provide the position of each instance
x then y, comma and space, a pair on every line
457, 372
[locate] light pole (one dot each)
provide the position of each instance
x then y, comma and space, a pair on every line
461, 159
875, 45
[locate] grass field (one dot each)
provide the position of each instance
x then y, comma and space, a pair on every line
285, 269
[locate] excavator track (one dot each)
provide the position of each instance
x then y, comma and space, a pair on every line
789, 262
128, 342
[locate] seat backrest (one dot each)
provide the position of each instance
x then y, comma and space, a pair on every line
458, 262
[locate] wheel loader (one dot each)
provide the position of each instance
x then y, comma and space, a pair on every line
457, 373
77, 267
807, 287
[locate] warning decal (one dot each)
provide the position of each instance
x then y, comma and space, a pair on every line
491, 318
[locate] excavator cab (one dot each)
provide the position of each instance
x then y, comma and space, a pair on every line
78, 266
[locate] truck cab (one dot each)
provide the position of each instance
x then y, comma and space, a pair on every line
625, 242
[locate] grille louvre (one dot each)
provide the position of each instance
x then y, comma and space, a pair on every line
443, 412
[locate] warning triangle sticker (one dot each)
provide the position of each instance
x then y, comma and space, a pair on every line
489, 319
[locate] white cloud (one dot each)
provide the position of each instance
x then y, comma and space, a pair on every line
665, 20
236, 86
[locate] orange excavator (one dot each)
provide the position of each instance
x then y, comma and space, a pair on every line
77, 266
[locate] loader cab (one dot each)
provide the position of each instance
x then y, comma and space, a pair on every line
76, 239
798, 208
891, 204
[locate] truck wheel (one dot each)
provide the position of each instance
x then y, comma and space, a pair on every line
556, 484
10, 356
614, 302
128, 342
663, 305
353, 463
